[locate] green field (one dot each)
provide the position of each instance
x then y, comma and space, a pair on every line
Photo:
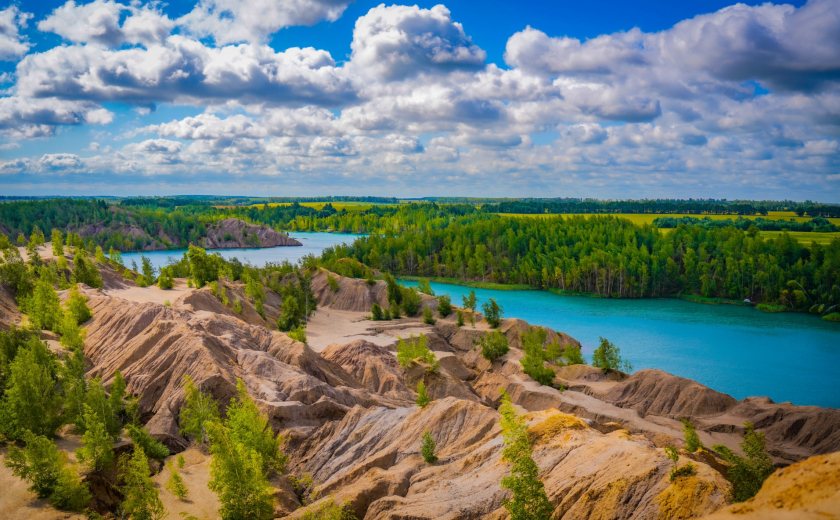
805, 238
349, 206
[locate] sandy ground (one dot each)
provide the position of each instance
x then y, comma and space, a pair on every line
152, 293
200, 502
328, 326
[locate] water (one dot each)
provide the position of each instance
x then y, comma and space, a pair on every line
313, 243
737, 350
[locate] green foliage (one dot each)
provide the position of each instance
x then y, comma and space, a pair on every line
386, 314
470, 301
148, 270
44, 309
298, 333
493, 313
42, 465
31, 401
533, 363
299, 301
77, 305
238, 477
99, 256
152, 448
72, 336
692, 440
74, 382
681, 471
747, 474
15, 274
422, 397
237, 306
175, 484
417, 347
834, 316
115, 257
427, 448
460, 322
529, 500
248, 426
428, 316
289, 314
375, 312
97, 452
425, 287
142, 501
181, 461
328, 510
572, 355
444, 306
107, 408
204, 268
333, 283
411, 301
57, 240
394, 289
608, 357
198, 409
494, 345
85, 271
395, 310
165, 280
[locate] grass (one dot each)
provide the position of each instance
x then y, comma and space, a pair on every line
805, 238
473, 285
834, 316
769, 307
564, 292
712, 301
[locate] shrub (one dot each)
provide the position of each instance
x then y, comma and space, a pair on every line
470, 301
427, 448
770, 307
533, 363
747, 474
166, 281
494, 345
411, 301
834, 316
153, 448
97, 452
333, 283
460, 322
692, 440
142, 500
85, 271
428, 316
289, 314
493, 313
415, 348
386, 315
167, 303
31, 401
298, 334
395, 310
425, 287
677, 472
328, 510
44, 308
248, 426
237, 306
77, 305
181, 461
422, 397
573, 356
376, 312
444, 306
608, 357
72, 336
141, 281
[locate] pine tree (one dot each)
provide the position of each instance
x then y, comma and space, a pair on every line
692, 440
493, 313
72, 336
85, 271
237, 477
422, 396
197, 410
494, 345
97, 452
427, 448
57, 240
175, 484
608, 357
748, 473
153, 448
74, 383
142, 501
31, 401
44, 308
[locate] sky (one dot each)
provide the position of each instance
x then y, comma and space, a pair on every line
603, 99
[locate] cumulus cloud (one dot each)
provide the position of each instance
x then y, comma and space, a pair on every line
99, 23
12, 44
27, 118
399, 41
233, 21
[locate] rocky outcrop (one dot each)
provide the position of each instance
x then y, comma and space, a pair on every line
234, 233
354, 294
9, 313
805, 490
374, 366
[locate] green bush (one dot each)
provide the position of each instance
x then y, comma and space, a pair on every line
444, 306
422, 397
533, 363
153, 449
494, 345
166, 281
77, 305
417, 347
608, 357
460, 322
747, 474
428, 316
298, 334
692, 440
834, 316
493, 313
333, 283
198, 409
770, 307
175, 484
427, 448
395, 310
375, 312
573, 356
142, 500
411, 301
425, 287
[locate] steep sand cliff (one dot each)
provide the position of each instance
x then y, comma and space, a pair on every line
348, 410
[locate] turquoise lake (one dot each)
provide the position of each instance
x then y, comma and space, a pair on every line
737, 350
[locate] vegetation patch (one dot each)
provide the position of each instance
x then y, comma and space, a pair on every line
834, 316
556, 423
712, 301
467, 283
769, 307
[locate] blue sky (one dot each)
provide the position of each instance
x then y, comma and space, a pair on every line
600, 99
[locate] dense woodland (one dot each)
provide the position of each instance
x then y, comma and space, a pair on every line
818, 224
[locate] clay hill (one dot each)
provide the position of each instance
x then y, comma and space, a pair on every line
347, 409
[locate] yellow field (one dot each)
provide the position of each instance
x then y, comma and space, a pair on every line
349, 206
805, 238
648, 218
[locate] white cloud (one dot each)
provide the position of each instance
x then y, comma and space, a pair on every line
400, 41
98, 22
233, 21
23, 117
12, 44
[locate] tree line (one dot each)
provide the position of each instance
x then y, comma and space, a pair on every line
817, 224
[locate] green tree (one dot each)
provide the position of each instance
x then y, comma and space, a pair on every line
692, 440
74, 382
529, 501
116, 401
494, 345
444, 306
395, 310
72, 336
428, 316
422, 397
31, 401
175, 484
198, 409
376, 312
45, 307
411, 301
533, 363
425, 287
97, 450
427, 448
237, 477
608, 357
460, 322
417, 347
333, 283
748, 473
298, 334
85, 271
470, 301
142, 501
204, 268
77, 305
165, 280
99, 256
248, 426
493, 313
15, 274
148, 270
573, 356
289, 314
153, 448
57, 243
